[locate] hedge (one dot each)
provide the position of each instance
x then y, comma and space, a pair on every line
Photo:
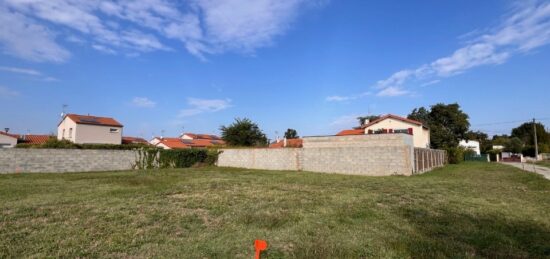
65, 144
175, 158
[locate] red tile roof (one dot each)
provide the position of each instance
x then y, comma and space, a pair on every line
391, 116
34, 139
189, 143
133, 140
297, 142
93, 120
202, 136
351, 132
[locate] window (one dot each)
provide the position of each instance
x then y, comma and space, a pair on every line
113, 130
70, 132
63, 135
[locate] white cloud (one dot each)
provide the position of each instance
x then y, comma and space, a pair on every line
143, 102
29, 72
204, 27
528, 27
198, 106
19, 70
6, 92
22, 37
392, 91
338, 98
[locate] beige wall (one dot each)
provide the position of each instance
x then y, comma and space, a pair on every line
376, 155
88, 134
421, 135
11, 142
67, 124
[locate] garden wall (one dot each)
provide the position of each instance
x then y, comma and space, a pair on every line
14, 160
380, 154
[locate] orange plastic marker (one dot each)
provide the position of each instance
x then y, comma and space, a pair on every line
259, 245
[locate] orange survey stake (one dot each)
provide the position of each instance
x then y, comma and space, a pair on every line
259, 245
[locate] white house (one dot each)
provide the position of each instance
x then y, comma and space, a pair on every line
86, 129
7, 140
470, 144
390, 123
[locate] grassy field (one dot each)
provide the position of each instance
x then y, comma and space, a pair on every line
544, 163
469, 210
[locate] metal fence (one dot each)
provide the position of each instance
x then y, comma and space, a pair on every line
426, 159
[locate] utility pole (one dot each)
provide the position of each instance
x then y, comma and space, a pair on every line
536, 144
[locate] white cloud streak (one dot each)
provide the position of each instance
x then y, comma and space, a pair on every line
338, 98
7, 93
202, 26
525, 29
19, 70
198, 106
143, 102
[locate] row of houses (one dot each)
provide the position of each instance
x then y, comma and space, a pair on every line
88, 129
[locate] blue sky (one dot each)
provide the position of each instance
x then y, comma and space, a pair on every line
309, 65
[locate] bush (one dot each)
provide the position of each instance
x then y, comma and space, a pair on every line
456, 155
175, 158
66, 144
212, 156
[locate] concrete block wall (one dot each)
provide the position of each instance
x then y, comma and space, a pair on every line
261, 158
15, 160
384, 154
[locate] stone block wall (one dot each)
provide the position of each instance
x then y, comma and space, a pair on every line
384, 154
15, 160
261, 158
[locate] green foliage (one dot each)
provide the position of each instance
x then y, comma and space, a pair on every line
291, 134
66, 144
243, 132
212, 156
456, 154
514, 145
447, 122
175, 158
526, 134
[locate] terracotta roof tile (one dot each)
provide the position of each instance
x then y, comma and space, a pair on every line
351, 132
93, 120
133, 140
34, 139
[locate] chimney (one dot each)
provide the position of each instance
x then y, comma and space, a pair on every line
284, 144
6, 129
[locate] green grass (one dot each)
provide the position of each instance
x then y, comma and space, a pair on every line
467, 210
545, 163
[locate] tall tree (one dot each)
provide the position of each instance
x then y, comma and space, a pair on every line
243, 132
291, 133
447, 122
526, 133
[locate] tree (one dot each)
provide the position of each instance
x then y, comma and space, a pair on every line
291, 133
363, 119
526, 134
243, 132
448, 124
515, 145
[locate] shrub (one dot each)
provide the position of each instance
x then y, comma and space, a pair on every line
212, 156
66, 144
456, 155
